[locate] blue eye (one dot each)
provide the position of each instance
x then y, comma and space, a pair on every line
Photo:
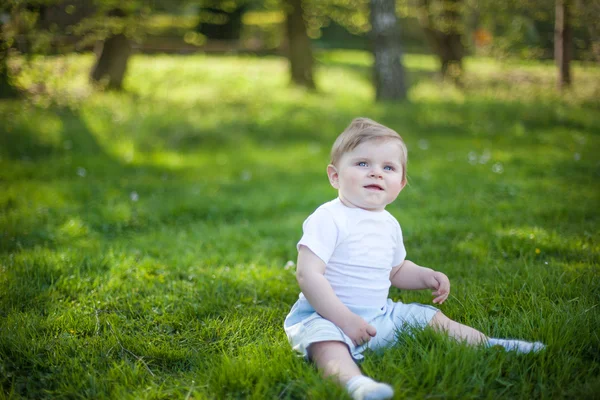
388, 168
362, 164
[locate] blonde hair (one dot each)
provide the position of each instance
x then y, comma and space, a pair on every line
363, 130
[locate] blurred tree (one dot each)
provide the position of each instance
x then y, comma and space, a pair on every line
534, 28
563, 38
515, 27
221, 20
352, 15
299, 48
7, 89
112, 55
9, 30
443, 26
16, 19
67, 25
388, 69
527, 28
55, 19
42, 26
590, 16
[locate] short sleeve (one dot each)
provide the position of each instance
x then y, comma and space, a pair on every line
400, 253
320, 234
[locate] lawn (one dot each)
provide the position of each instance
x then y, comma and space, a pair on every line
147, 238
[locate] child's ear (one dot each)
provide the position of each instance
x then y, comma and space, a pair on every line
333, 175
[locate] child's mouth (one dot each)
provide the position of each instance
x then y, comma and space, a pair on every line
373, 187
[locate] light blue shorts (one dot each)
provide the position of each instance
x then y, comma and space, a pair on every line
304, 326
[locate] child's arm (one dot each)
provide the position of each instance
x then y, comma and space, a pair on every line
411, 276
317, 290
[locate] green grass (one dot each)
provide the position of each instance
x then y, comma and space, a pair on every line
144, 235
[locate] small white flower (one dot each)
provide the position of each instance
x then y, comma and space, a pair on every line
246, 175
472, 157
134, 196
485, 157
81, 172
289, 265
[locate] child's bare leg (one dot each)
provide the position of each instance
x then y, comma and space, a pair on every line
334, 359
456, 330
472, 336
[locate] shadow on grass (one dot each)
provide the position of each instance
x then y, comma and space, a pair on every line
46, 154
106, 198
51, 131
289, 124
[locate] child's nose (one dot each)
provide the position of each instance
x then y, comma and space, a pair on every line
376, 171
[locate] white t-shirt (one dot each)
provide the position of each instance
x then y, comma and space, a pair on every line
359, 249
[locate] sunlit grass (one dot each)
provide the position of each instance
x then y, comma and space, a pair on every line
146, 236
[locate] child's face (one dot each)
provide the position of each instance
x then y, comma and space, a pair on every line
370, 176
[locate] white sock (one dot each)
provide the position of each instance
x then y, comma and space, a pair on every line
364, 388
519, 346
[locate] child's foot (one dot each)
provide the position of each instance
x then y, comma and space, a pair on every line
519, 346
364, 388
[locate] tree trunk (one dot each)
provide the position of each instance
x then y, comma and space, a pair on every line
388, 71
563, 38
445, 37
7, 90
111, 57
300, 52
111, 62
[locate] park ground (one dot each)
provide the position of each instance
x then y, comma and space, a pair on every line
147, 238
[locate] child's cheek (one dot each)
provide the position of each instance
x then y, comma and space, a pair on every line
355, 181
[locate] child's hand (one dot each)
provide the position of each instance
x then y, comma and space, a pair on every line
358, 330
440, 282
